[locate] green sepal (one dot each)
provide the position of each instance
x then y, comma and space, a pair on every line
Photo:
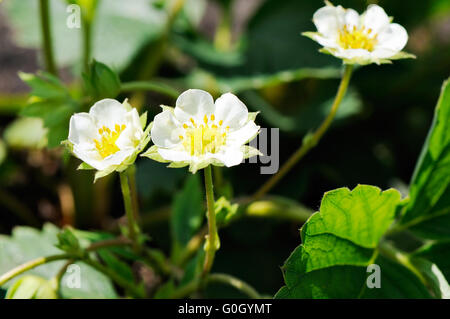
84, 166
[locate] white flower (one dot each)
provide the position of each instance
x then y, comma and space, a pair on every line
199, 132
359, 39
109, 137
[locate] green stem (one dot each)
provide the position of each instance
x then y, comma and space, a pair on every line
30, 265
279, 208
391, 252
88, 11
46, 37
311, 141
236, 283
133, 228
212, 228
87, 43
186, 290
150, 86
133, 188
196, 284
70, 257
276, 207
61, 273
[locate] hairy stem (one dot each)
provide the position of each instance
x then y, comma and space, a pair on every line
87, 43
270, 207
133, 228
212, 228
60, 275
30, 265
236, 283
391, 252
310, 142
197, 284
44, 10
70, 257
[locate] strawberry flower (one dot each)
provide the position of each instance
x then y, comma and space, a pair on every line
109, 137
199, 132
359, 39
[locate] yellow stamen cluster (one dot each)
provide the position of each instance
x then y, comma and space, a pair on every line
357, 38
107, 144
207, 137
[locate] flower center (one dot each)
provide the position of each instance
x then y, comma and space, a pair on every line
107, 144
203, 138
357, 38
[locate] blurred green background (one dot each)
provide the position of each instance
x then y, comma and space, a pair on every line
253, 48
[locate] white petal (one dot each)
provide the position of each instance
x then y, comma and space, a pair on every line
353, 54
166, 130
393, 39
108, 112
329, 20
89, 156
230, 157
117, 158
93, 158
243, 135
326, 42
351, 19
375, 18
133, 132
231, 111
193, 104
174, 155
82, 129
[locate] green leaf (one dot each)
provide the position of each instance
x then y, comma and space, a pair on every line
53, 112
50, 101
27, 243
339, 242
193, 268
32, 287
44, 85
57, 134
397, 282
433, 275
429, 205
101, 82
187, 212
119, 267
437, 253
165, 291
